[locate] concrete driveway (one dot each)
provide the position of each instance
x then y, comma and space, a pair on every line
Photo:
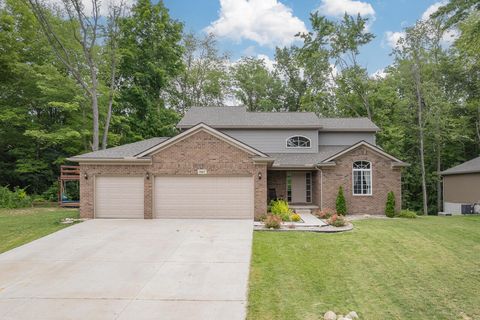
130, 269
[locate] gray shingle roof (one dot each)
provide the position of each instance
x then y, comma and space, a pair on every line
124, 151
305, 159
344, 124
466, 167
239, 117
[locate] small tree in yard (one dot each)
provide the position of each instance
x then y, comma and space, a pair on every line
341, 204
390, 205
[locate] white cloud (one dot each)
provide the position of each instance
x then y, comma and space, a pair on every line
432, 9
249, 51
391, 38
379, 74
267, 22
338, 8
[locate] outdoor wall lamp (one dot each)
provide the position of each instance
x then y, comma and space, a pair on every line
147, 175
259, 176
85, 175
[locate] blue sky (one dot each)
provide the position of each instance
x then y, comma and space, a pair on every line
255, 27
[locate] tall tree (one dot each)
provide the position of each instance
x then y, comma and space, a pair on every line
78, 54
204, 80
40, 119
151, 55
258, 88
329, 57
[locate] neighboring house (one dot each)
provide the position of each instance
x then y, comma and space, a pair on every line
228, 163
461, 187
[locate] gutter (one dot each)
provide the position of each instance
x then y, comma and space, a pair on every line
125, 160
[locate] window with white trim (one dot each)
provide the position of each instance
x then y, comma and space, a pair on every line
362, 178
298, 142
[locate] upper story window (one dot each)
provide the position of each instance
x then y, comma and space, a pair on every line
362, 178
298, 142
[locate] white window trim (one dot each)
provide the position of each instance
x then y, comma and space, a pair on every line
371, 180
297, 135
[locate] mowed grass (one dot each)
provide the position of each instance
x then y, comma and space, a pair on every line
425, 268
19, 226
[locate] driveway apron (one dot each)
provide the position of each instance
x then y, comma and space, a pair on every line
130, 269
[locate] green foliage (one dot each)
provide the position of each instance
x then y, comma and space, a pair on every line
256, 87
273, 221
151, 56
280, 208
390, 205
295, 217
341, 203
17, 198
407, 214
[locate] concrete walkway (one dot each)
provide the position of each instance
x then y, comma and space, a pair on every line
130, 269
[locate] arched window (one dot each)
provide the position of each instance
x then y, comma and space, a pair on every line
298, 142
362, 178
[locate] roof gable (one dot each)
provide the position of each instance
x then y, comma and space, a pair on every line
205, 128
370, 146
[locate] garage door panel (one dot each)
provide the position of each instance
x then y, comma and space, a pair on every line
119, 197
204, 197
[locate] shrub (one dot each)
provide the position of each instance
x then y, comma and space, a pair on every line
407, 214
280, 208
325, 213
51, 194
295, 217
390, 205
341, 204
273, 221
337, 220
17, 198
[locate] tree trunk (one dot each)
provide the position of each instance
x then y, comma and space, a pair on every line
95, 135
106, 127
416, 72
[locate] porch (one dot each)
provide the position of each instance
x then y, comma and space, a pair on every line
299, 187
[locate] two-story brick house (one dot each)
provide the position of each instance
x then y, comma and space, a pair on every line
227, 162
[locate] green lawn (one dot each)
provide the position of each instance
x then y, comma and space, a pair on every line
425, 268
19, 226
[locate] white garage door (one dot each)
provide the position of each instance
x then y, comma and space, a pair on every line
119, 197
204, 197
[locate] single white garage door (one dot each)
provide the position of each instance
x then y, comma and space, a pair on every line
204, 197
119, 197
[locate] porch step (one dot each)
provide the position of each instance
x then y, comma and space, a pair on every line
303, 208
303, 211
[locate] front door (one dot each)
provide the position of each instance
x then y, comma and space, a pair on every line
299, 187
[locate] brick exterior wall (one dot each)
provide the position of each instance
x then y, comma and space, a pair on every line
201, 150
384, 179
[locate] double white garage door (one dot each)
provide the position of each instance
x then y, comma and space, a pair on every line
176, 197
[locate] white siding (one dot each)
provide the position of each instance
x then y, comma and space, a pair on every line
344, 138
274, 140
